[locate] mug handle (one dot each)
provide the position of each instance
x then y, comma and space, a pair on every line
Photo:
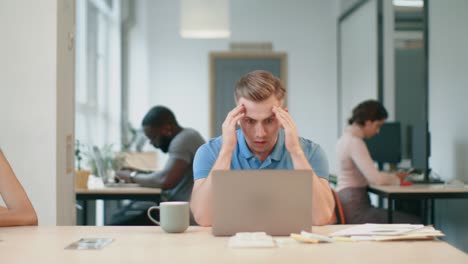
149, 214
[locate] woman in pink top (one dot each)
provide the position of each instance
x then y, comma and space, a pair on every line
356, 169
18, 210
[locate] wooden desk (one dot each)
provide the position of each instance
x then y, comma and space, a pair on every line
148, 244
425, 192
115, 193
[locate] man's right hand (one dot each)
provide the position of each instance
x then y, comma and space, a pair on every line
229, 127
201, 202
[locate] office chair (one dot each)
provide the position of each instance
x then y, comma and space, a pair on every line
338, 209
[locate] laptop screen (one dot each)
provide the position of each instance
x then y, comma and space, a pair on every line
278, 202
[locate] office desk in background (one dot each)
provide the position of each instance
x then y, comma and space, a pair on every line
131, 192
425, 192
149, 244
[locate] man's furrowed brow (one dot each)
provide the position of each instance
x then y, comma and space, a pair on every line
272, 116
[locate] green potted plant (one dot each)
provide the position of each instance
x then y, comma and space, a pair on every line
104, 161
81, 175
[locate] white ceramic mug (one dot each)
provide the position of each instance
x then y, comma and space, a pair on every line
174, 217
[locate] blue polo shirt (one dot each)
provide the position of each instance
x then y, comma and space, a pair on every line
244, 159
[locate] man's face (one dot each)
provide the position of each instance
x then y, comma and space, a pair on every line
159, 137
260, 126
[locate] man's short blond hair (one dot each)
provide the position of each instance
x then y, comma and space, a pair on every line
258, 86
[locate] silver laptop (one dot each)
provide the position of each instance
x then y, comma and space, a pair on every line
278, 202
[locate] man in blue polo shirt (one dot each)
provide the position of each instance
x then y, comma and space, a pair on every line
267, 139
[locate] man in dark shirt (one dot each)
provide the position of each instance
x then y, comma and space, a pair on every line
176, 178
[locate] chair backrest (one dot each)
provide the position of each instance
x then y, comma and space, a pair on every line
338, 209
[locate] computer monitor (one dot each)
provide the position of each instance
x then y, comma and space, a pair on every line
385, 147
421, 148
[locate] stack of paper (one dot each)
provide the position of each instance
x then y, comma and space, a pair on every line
387, 232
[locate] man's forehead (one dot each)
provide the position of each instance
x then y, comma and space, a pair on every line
151, 129
259, 110
259, 116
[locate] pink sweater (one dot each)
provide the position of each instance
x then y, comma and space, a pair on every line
355, 165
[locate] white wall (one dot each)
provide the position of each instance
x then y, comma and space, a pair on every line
138, 67
389, 58
305, 30
359, 61
33, 129
448, 122
358, 65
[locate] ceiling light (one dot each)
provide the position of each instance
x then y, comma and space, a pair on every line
408, 3
204, 19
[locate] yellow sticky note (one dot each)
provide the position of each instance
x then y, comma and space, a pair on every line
303, 239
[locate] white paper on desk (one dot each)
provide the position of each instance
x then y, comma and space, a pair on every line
377, 229
251, 240
362, 238
90, 243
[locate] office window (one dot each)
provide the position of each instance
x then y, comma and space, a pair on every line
98, 71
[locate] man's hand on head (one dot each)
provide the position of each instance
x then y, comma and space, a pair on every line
290, 129
229, 127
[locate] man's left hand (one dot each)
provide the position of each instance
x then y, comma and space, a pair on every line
290, 130
123, 175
